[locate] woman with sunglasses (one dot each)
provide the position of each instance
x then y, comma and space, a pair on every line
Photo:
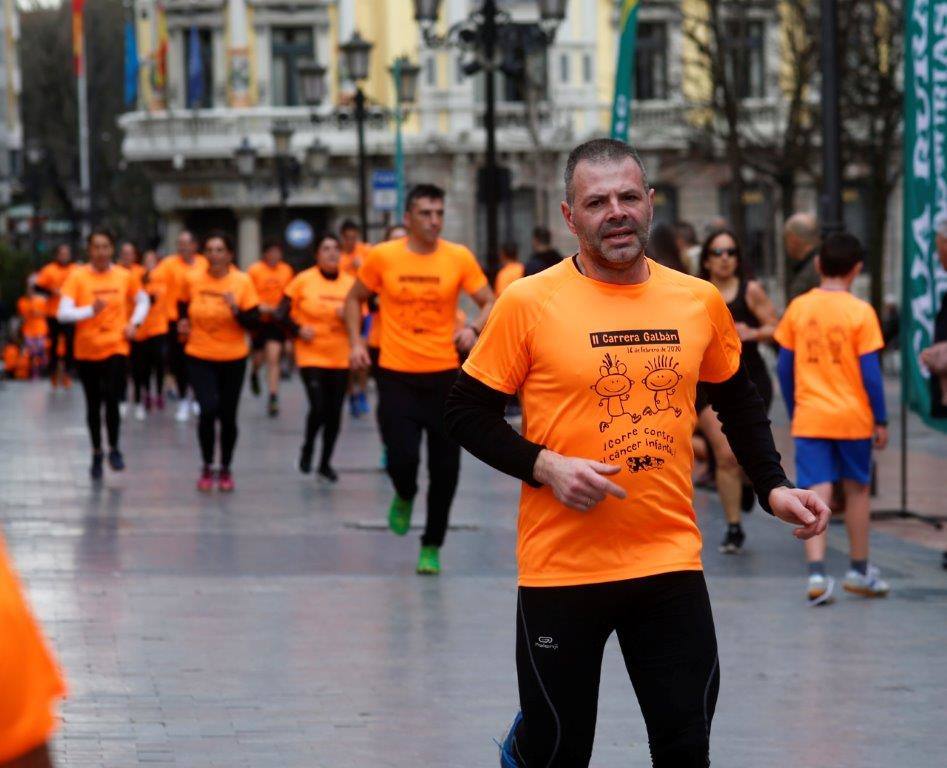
721, 262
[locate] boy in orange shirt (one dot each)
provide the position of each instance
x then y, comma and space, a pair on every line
32, 311
49, 282
830, 372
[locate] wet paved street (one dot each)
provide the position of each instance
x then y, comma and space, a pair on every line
280, 627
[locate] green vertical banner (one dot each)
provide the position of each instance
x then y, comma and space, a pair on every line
925, 193
625, 70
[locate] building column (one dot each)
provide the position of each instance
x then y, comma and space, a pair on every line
248, 236
173, 226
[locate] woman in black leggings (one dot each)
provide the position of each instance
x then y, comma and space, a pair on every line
312, 308
218, 305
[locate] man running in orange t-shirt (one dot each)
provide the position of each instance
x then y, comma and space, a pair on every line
49, 282
270, 276
354, 251
418, 280
605, 350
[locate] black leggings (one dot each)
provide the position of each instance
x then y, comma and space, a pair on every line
178, 360
666, 633
325, 388
148, 361
217, 388
65, 331
409, 405
103, 382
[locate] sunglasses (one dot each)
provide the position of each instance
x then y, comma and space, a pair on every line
723, 252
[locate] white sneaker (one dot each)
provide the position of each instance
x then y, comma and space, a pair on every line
140, 412
867, 585
183, 411
195, 408
820, 589
123, 409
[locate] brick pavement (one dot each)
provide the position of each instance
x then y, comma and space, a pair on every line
276, 628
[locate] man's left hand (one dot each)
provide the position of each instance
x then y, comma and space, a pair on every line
465, 339
802, 508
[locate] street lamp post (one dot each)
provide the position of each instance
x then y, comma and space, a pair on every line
35, 157
480, 34
832, 220
405, 74
356, 54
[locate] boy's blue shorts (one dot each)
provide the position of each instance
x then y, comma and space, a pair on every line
819, 460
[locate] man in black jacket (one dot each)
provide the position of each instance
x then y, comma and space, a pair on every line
544, 255
606, 349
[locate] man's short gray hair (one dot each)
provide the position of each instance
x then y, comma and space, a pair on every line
600, 151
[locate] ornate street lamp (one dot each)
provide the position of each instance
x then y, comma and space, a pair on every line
405, 75
317, 159
282, 137
312, 82
245, 158
356, 54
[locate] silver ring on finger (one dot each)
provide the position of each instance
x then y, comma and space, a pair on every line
588, 502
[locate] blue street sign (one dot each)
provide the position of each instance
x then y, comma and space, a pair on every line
299, 233
385, 190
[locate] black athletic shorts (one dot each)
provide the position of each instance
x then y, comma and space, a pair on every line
267, 332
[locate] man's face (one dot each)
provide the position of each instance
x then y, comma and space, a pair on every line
611, 211
940, 243
425, 219
186, 245
349, 237
63, 254
100, 251
272, 255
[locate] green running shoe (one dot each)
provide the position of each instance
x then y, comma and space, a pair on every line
429, 561
399, 515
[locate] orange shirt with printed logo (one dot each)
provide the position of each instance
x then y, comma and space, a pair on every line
173, 270
609, 372
270, 282
51, 278
215, 333
30, 680
157, 321
352, 262
506, 275
102, 335
32, 309
829, 331
417, 295
317, 303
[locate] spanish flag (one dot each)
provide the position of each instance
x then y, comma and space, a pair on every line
78, 36
625, 69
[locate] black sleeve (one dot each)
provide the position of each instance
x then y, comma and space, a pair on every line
182, 309
281, 316
743, 416
473, 415
42, 291
248, 318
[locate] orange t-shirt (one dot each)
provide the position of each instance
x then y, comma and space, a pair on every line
609, 372
29, 677
506, 275
102, 335
352, 262
417, 294
51, 278
33, 311
317, 302
829, 331
157, 320
11, 356
270, 282
173, 270
215, 332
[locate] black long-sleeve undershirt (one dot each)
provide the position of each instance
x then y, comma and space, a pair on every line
474, 418
247, 318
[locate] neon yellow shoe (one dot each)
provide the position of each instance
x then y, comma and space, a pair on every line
429, 561
399, 515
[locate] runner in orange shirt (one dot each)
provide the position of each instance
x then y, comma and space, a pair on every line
270, 276
606, 349
30, 679
354, 251
511, 269
148, 346
35, 328
129, 257
96, 297
313, 305
217, 306
49, 282
172, 270
418, 280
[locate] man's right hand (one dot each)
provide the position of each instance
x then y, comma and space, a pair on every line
306, 333
359, 358
98, 305
578, 483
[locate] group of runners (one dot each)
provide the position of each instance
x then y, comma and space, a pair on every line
612, 357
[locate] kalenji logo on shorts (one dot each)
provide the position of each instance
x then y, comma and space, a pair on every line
547, 643
635, 337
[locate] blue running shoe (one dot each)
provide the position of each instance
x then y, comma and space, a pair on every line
508, 747
363, 405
